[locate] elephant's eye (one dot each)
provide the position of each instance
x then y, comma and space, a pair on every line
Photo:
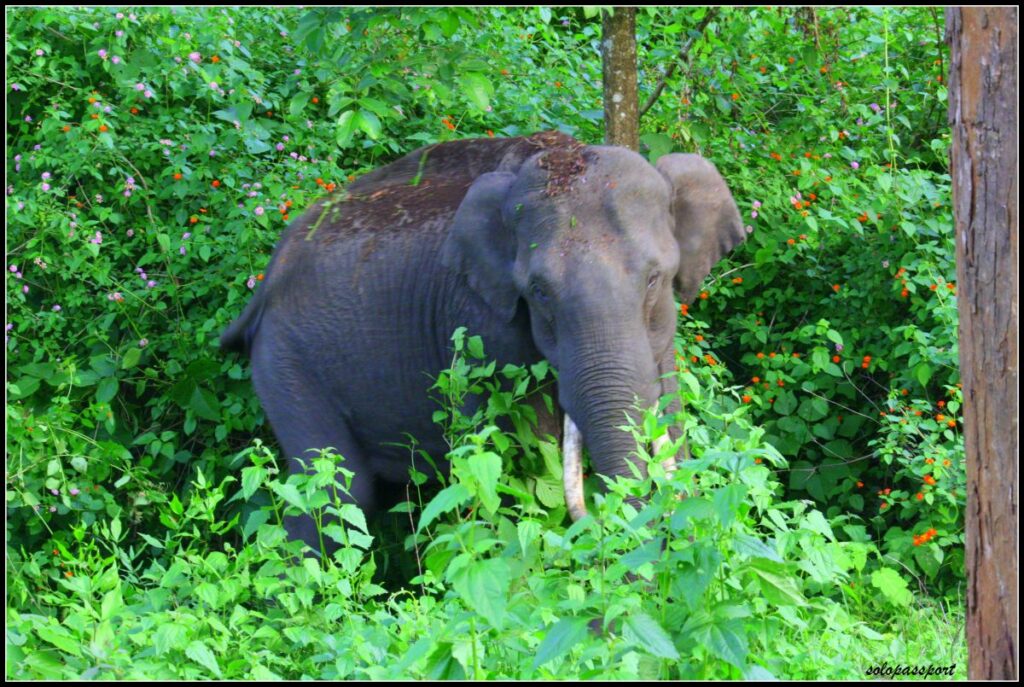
653, 281
538, 293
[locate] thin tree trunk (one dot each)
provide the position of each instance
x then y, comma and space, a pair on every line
983, 115
618, 59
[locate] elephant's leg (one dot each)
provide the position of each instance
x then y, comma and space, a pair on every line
303, 422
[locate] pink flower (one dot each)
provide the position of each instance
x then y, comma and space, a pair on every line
102, 54
855, 165
195, 57
258, 211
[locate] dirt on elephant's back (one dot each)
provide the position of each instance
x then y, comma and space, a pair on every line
388, 209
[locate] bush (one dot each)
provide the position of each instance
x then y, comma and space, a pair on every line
156, 155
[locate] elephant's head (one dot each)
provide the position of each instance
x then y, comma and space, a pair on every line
593, 239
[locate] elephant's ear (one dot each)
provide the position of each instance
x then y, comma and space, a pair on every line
707, 221
481, 246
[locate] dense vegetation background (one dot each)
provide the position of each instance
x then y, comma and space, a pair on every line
155, 155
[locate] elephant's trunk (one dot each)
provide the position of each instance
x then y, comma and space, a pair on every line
598, 392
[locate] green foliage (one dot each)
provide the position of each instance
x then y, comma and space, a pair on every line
154, 159
728, 582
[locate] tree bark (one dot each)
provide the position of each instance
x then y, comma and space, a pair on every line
618, 60
983, 116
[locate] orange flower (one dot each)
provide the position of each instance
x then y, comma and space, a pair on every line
259, 277
929, 480
920, 496
699, 337
836, 287
836, 358
764, 69
684, 310
771, 355
216, 183
490, 134
760, 356
776, 156
704, 295
755, 380
177, 176
824, 70
904, 293
92, 100
904, 392
67, 128
504, 72
103, 128
781, 383
315, 100
737, 280
807, 155
951, 424
796, 355
746, 398
792, 60
735, 96
791, 241
859, 484
134, 110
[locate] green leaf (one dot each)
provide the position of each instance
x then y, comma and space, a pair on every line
483, 585
475, 347
778, 585
750, 546
369, 123
298, 104
252, 478
446, 500
60, 638
200, 653
169, 637
894, 587
106, 389
486, 469
644, 632
923, 372
347, 124
477, 89
131, 358
560, 639
204, 404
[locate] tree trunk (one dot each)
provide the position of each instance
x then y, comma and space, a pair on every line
983, 115
618, 60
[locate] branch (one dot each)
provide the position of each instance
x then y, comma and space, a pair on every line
683, 56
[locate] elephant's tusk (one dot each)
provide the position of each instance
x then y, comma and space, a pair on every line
669, 463
572, 469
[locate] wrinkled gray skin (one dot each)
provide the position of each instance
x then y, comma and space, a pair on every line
544, 247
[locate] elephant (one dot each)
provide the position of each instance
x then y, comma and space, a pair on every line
545, 247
